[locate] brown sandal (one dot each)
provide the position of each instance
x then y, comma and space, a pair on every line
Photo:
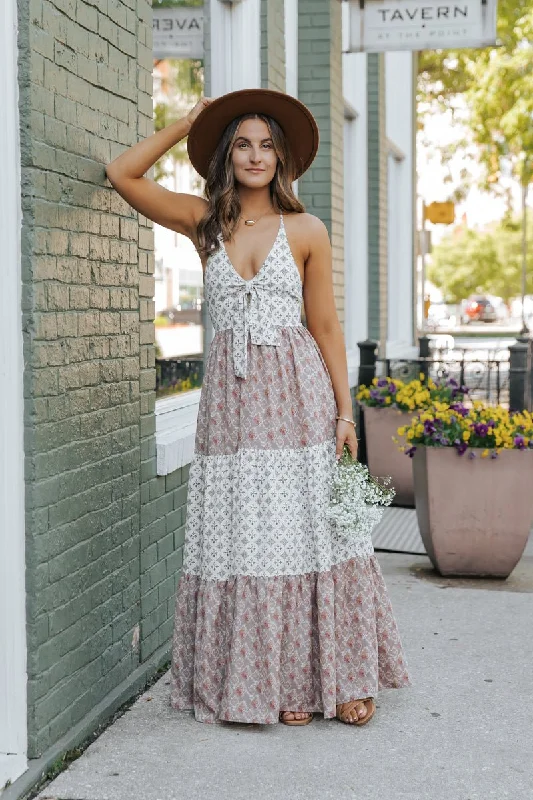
348, 707
304, 721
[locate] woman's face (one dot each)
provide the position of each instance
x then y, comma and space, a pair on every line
253, 156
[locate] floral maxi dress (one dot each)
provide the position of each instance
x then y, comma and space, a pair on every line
275, 610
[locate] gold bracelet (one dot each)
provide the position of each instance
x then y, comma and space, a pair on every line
345, 419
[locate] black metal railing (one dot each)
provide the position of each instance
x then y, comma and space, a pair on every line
486, 379
179, 374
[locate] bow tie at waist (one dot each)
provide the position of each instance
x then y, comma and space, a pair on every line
248, 319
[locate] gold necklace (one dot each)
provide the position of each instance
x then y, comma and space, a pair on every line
250, 222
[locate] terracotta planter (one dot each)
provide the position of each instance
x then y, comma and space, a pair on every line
383, 456
474, 515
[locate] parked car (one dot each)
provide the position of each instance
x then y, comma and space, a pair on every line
478, 308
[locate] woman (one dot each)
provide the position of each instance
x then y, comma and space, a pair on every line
277, 615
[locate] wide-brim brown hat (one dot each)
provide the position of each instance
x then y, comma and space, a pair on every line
294, 118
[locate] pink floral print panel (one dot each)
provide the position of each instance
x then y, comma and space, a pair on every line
247, 648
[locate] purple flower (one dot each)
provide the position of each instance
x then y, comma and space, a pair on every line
491, 423
392, 388
452, 382
382, 383
459, 408
411, 451
471, 454
494, 454
374, 394
519, 443
481, 429
462, 447
429, 427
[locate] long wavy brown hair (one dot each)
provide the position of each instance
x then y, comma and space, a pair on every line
224, 208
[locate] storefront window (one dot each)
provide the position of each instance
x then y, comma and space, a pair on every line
178, 84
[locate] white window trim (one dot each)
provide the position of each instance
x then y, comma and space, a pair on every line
13, 662
175, 430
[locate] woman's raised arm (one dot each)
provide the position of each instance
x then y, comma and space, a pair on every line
177, 211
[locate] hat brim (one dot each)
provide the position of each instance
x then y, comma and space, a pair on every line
294, 118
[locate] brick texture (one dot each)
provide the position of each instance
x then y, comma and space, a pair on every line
320, 87
104, 535
272, 45
377, 201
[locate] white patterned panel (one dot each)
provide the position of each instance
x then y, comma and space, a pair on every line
262, 513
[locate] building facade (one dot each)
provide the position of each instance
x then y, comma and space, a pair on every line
94, 471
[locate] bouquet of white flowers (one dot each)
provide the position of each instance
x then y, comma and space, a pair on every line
357, 499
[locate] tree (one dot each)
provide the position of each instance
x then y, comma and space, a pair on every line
462, 264
481, 262
495, 86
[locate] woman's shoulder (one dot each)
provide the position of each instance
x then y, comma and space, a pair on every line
305, 225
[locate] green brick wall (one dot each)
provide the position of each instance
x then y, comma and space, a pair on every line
104, 534
377, 201
273, 45
320, 88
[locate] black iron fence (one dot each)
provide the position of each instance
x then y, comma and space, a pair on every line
180, 374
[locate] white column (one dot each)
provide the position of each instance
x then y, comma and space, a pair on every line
400, 100
13, 732
235, 46
291, 47
355, 208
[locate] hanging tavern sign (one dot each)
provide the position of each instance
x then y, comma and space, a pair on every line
381, 25
178, 32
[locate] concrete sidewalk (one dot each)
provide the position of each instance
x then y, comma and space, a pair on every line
462, 732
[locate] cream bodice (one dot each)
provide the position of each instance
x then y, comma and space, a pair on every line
259, 306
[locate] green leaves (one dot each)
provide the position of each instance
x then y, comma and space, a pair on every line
468, 261
496, 84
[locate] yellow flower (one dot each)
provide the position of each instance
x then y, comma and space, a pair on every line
401, 431
466, 436
484, 454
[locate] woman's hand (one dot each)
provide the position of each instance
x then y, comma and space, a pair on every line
346, 435
198, 108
